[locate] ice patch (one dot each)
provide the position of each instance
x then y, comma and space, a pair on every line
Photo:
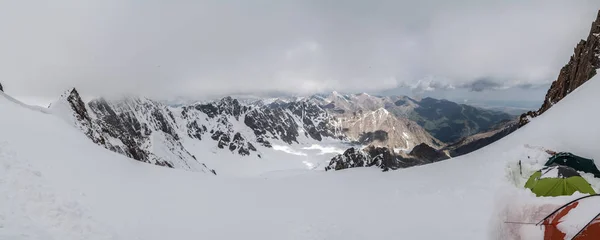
324, 150
288, 149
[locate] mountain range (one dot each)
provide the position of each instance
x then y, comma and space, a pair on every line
166, 135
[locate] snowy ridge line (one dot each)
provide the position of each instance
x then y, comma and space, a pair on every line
31, 107
155, 133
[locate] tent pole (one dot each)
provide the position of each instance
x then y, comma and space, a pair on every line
585, 226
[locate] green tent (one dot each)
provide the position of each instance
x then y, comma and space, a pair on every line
557, 180
576, 162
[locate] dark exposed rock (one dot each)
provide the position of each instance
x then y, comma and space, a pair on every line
384, 158
272, 123
1, 88
164, 164
78, 106
226, 106
369, 137
426, 152
351, 158
581, 67
195, 131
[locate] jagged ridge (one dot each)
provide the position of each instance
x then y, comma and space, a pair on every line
152, 132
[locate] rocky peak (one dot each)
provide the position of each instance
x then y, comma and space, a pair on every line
227, 106
385, 158
581, 67
74, 100
371, 156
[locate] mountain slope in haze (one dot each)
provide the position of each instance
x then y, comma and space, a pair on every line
449, 121
581, 67
381, 128
444, 120
480, 140
56, 184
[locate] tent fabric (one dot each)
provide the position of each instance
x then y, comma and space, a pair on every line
557, 181
554, 171
576, 162
586, 227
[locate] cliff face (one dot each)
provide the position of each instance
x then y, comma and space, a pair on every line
581, 67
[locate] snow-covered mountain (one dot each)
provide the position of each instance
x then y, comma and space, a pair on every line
135, 127
155, 133
181, 136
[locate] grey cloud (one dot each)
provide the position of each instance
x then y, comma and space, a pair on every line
199, 48
482, 84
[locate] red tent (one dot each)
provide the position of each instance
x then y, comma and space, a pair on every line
576, 220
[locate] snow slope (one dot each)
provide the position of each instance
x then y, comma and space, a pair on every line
56, 184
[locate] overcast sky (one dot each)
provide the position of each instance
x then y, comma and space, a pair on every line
200, 48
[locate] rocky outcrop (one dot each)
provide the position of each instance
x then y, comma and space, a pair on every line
581, 67
384, 158
427, 153
1, 89
372, 156
351, 158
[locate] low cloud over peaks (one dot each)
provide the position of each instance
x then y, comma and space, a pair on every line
196, 48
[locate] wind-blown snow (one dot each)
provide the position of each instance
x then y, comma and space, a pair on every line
56, 184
